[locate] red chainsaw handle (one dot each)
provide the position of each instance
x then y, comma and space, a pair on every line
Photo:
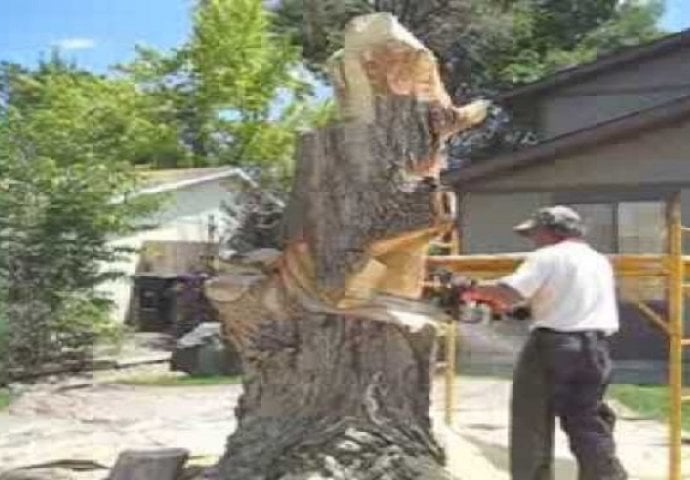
471, 295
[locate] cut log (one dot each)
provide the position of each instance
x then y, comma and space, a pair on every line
337, 350
164, 464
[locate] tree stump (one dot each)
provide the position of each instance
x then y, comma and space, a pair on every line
337, 350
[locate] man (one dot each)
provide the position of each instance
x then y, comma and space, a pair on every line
564, 368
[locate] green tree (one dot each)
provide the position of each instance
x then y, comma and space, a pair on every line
104, 117
552, 35
632, 23
166, 78
223, 84
63, 175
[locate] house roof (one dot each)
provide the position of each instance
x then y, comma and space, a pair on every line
161, 181
604, 63
170, 180
607, 132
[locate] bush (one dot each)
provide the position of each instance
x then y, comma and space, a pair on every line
4, 339
57, 220
84, 321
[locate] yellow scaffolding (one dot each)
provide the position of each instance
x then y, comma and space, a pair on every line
676, 287
671, 266
450, 334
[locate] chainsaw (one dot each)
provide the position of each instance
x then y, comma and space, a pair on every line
460, 300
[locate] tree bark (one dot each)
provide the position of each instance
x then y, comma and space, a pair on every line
337, 350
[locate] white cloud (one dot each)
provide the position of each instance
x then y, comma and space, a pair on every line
75, 43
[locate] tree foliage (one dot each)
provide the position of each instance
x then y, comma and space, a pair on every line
551, 35
233, 93
63, 137
223, 85
484, 45
107, 118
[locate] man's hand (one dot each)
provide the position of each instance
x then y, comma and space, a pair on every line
466, 291
460, 290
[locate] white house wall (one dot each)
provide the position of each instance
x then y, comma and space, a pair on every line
183, 217
191, 201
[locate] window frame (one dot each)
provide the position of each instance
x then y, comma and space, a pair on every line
614, 198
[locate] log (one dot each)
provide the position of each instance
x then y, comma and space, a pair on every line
337, 349
164, 464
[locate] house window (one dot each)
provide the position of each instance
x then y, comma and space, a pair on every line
628, 228
600, 219
641, 227
625, 227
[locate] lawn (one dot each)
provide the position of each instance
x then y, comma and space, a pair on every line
4, 399
648, 400
175, 380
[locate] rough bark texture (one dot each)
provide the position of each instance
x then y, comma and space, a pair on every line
337, 351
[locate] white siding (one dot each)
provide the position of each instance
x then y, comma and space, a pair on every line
184, 216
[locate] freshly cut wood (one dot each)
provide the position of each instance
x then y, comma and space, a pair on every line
381, 59
337, 350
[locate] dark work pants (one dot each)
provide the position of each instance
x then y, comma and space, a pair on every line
563, 375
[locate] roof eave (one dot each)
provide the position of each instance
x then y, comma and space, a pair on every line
590, 137
182, 184
615, 59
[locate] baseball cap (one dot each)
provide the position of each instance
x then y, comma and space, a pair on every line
559, 218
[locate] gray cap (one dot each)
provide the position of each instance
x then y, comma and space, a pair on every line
558, 218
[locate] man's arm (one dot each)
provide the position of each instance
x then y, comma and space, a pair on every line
498, 292
520, 286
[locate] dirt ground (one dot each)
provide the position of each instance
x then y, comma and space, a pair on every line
94, 419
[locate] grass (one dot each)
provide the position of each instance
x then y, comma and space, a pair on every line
174, 380
4, 399
648, 400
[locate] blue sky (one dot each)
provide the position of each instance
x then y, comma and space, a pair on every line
97, 33
677, 15
100, 33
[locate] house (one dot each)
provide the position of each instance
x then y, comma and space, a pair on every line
178, 237
614, 143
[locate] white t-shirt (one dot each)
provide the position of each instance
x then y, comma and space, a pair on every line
570, 287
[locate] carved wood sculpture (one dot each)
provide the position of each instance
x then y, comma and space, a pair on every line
337, 350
